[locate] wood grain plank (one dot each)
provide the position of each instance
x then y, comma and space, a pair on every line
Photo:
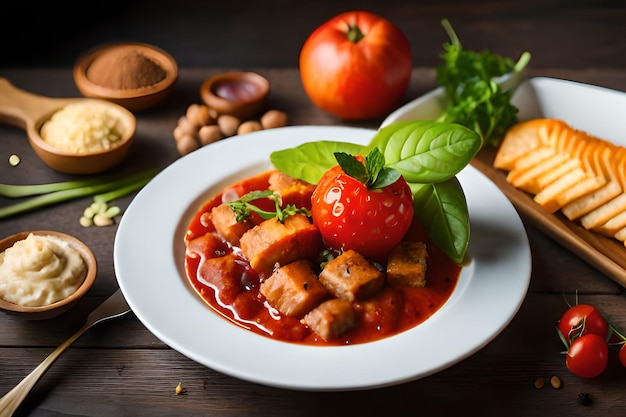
141, 382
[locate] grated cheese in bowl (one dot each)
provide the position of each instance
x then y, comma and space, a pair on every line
83, 128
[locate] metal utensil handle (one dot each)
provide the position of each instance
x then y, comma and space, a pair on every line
112, 307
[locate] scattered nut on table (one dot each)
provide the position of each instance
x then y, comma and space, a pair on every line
209, 134
248, 127
187, 144
202, 125
274, 118
229, 124
180, 389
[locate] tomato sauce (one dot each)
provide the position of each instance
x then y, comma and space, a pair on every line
230, 287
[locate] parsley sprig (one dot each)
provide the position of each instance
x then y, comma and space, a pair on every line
474, 98
243, 207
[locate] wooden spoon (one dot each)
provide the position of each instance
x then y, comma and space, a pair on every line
29, 111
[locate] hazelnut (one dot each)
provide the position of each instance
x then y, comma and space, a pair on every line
228, 124
187, 144
209, 134
179, 132
274, 118
187, 126
249, 126
200, 115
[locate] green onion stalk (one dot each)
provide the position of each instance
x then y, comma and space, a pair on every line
43, 195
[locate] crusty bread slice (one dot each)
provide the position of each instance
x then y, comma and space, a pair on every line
525, 178
548, 198
583, 176
525, 137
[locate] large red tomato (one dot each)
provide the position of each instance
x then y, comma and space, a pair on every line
356, 66
351, 216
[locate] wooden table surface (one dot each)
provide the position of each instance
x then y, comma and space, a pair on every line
120, 368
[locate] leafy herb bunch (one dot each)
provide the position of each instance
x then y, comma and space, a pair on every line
474, 97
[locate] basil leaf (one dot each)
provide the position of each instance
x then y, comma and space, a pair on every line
427, 151
311, 160
442, 210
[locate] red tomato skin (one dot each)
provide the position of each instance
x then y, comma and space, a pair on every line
582, 319
349, 216
622, 355
356, 81
587, 356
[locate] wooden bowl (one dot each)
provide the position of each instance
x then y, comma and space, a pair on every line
241, 94
61, 306
135, 75
30, 111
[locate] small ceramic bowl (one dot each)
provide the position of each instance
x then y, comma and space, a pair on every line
238, 93
59, 307
135, 75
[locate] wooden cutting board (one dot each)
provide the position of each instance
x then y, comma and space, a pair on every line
606, 254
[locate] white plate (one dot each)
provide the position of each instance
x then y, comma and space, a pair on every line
149, 256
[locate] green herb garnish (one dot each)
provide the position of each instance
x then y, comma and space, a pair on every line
473, 97
428, 154
243, 207
373, 174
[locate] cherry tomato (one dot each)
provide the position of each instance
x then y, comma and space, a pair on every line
587, 356
356, 66
580, 320
622, 355
349, 216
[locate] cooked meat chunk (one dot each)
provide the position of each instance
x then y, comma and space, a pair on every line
223, 274
209, 245
224, 220
352, 277
407, 264
332, 318
294, 289
273, 243
291, 190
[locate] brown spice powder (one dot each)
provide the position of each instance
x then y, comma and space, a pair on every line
125, 68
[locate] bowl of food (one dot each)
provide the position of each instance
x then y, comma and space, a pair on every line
237, 93
135, 75
478, 294
71, 135
43, 273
